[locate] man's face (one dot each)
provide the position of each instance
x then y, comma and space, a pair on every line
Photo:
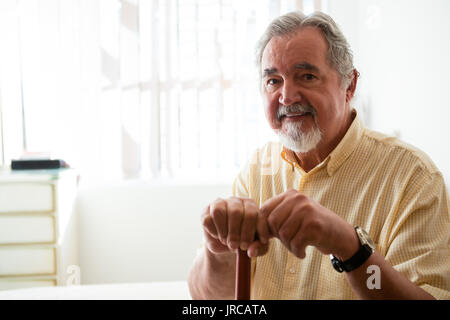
302, 93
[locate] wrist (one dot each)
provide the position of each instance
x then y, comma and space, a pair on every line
217, 276
349, 246
365, 250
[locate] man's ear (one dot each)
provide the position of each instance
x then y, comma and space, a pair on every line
351, 88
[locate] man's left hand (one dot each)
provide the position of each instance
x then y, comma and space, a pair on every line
299, 221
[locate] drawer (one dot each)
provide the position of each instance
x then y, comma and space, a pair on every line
26, 197
26, 229
27, 260
18, 283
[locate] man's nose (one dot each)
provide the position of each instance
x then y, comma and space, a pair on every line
289, 94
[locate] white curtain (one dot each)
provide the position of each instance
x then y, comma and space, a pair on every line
135, 88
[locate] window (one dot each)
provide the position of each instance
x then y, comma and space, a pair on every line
135, 88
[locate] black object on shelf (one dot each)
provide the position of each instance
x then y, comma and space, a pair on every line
36, 164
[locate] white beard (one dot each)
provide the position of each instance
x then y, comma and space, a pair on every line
297, 140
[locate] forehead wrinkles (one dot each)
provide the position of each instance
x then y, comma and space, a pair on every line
275, 54
283, 52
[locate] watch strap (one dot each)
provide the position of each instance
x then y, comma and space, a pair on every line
357, 260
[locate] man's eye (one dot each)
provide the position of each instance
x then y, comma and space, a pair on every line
272, 82
309, 76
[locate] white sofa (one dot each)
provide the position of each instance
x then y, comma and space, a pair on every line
141, 232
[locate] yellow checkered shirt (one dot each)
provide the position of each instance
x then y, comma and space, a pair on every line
389, 188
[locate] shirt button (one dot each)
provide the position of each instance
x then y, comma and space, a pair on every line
292, 270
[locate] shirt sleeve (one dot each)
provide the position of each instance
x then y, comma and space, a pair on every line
419, 241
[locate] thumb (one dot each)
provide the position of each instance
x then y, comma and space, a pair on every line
257, 249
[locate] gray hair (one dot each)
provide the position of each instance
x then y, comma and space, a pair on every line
340, 56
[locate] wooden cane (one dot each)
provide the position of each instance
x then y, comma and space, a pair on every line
243, 269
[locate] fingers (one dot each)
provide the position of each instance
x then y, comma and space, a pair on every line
285, 216
214, 245
211, 235
291, 217
297, 245
289, 230
262, 229
218, 213
208, 224
233, 223
248, 227
271, 204
235, 218
257, 248
281, 212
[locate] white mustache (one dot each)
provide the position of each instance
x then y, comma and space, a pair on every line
294, 108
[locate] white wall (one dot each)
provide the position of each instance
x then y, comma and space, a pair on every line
402, 49
133, 232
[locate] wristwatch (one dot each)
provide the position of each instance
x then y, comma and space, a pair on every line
366, 248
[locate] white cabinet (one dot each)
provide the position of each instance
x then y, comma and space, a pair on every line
38, 236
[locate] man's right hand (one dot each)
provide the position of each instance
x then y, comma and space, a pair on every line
233, 223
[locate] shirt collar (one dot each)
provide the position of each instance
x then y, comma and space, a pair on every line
338, 156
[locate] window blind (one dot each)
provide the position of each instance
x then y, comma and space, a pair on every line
136, 88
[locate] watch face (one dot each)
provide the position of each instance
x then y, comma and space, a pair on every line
365, 238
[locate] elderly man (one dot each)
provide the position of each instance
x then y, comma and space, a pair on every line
333, 211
